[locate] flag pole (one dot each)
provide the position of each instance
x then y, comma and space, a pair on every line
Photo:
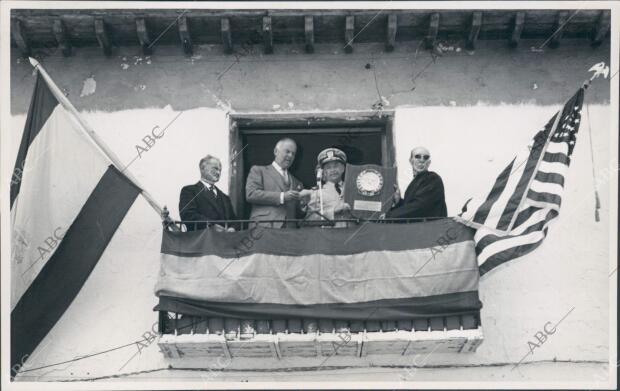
85, 127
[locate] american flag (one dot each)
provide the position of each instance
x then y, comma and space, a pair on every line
513, 218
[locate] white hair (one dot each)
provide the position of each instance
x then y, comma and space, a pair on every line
282, 141
206, 159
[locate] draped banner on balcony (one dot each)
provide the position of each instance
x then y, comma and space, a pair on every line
370, 271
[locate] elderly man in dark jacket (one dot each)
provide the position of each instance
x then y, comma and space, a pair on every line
204, 201
424, 196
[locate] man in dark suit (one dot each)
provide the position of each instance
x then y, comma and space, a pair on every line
424, 196
272, 190
204, 201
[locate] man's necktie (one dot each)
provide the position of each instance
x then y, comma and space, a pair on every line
286, 178
338, 189
212, 190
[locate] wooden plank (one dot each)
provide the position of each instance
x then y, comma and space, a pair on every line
143, 36
267, 35
392, 27
102, 36
433, 29
476, 22
226, 35
60, 32
309, 33
185, 36
517, 29
297, 345
604, 24
20, 37
349, 29
558, 30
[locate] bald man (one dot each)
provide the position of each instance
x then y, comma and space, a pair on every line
424, 196
272, 190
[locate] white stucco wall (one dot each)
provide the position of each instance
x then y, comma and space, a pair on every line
570, 270
470, 146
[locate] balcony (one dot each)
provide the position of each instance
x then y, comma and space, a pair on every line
213, 330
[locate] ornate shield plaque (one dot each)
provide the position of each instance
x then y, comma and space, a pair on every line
369, 189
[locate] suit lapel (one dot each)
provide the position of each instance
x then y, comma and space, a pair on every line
208, 196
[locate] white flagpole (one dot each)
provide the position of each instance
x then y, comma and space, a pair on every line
85, 127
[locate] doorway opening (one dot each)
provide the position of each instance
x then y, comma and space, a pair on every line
366, 139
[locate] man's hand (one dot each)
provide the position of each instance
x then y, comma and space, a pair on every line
396, 196
218, 228
291, 195
305, 193
344, 208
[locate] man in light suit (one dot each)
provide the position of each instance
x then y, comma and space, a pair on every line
205, 201
272, 190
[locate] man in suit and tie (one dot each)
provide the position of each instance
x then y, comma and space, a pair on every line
424, 196
205, 201
272, 190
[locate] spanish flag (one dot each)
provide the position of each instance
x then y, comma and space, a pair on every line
373, 272
67, 200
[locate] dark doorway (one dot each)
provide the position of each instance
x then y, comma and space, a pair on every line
362, 146
366, 138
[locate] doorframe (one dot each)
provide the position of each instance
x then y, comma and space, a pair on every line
241, 122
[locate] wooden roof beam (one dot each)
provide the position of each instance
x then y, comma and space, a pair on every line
20, 37
143, 36
476, 22
62, 37
226, 35
392, 27
558, 30
185, 36
604, 24
517, 29
103, 37
267, 35
349, 33
309, 32
433, 29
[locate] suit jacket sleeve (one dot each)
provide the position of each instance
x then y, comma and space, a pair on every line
232, 215
255, 192
430, 191
188, 206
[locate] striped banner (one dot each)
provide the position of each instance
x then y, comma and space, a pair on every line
376, 271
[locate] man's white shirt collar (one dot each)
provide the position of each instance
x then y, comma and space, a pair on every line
208, 185
279, 169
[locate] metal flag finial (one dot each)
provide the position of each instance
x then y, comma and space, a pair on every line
599, 69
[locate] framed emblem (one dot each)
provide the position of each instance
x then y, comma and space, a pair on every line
369, 182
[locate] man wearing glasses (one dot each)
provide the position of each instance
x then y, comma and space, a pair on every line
424, 196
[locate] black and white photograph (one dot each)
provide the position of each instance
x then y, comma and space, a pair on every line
309, 195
